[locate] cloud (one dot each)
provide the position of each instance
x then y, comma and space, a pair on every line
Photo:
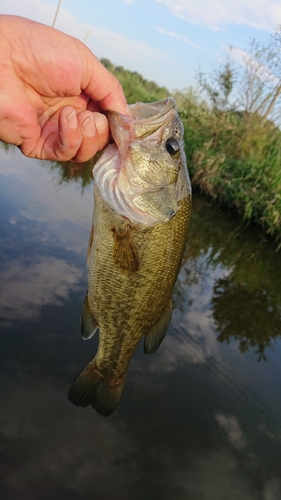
39, 216
153, 62
26, 286
215, 475
183, 38
115, 46
52, 448
192, 336
245, 59
33, 9
103, 42
180, 348
52, 445
233, 430
272, 489
215, 14
42, 209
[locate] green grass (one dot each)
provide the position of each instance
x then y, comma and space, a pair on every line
235, 159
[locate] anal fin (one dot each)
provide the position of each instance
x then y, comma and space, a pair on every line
154, 337
125, 252
89, 324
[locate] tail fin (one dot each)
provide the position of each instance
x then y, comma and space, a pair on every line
91, 388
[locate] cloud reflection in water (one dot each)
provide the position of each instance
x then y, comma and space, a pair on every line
196, 420
27, 286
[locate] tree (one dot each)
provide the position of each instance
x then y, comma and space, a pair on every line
235, 146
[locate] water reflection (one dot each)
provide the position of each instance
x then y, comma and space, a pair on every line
29, 284
198, 419
69, 171
246, 299
233, 307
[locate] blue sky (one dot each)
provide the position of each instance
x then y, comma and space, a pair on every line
167, 41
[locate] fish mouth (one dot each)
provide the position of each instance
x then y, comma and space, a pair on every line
152, 109
147, 119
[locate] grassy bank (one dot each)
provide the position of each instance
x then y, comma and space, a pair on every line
234, 157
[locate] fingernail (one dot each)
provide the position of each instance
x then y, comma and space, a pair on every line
72, 119
93, 124
101, 122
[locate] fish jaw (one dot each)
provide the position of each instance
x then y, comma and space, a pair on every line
147, 119
147, 157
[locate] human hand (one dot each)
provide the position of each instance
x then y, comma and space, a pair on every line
53, 91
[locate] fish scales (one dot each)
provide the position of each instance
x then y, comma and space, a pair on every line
132, 302
133, 261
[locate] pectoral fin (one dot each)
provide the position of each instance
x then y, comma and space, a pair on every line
156, 334
89, 325
125, 252
161, 204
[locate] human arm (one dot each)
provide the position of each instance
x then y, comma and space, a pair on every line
53, 92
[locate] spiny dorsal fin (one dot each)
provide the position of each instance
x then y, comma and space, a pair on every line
89, 324
156, 334
125, 252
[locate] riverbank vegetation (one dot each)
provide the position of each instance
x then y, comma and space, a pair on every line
232, 134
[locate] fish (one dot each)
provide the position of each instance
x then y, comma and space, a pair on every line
142, 206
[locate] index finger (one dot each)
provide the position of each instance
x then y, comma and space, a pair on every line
102, 86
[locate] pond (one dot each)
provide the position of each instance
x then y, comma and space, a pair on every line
199, 419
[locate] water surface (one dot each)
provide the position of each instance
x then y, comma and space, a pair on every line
199, 419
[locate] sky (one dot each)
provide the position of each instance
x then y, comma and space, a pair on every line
168, 41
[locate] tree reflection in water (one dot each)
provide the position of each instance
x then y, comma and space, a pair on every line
80, 172
246, 303
251, 317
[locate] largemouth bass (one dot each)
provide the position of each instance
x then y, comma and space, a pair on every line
142, 201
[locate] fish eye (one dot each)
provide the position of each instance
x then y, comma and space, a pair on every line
172, 146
